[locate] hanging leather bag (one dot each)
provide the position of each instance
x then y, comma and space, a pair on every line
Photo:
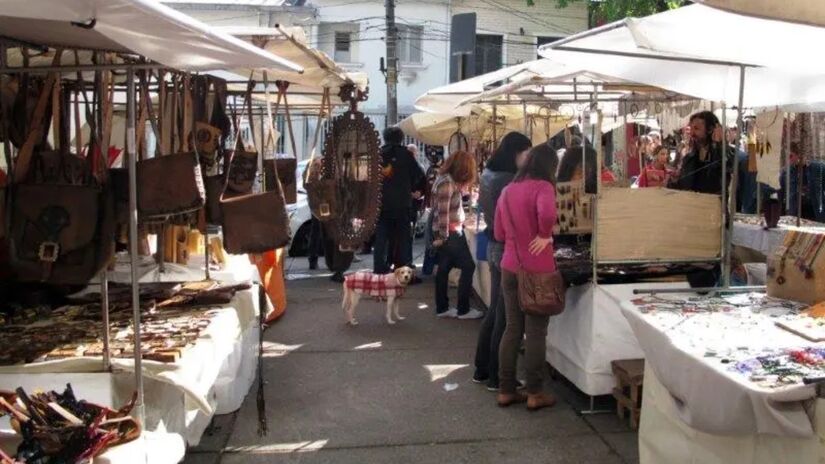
171, 184
254, 222
322, 191
62, 217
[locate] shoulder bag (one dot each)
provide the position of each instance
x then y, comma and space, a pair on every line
253, 222
539, 293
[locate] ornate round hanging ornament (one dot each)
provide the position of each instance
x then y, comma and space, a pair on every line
352, 159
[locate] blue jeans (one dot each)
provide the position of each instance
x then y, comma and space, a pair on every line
492, 328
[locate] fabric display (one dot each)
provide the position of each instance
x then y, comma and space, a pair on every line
174, 316
59, 427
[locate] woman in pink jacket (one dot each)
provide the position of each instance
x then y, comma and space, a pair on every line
527, 214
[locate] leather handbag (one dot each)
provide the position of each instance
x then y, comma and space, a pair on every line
253, 222
539, 293
61, 225
284, 170
170, 184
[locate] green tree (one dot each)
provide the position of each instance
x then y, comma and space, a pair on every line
613, 10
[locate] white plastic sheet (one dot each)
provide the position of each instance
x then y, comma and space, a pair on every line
142, 27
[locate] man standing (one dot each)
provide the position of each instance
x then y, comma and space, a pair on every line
402, 175
702, 172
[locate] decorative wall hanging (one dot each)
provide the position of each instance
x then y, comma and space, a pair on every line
352, 160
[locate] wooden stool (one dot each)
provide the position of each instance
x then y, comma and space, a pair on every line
630, 374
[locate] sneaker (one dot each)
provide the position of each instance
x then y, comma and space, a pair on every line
471, 314
493, 386
451, 313
477, 378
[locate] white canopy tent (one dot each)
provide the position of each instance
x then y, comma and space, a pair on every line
141, 27
709, 53
796, 11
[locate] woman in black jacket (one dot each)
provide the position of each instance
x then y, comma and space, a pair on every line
499, 172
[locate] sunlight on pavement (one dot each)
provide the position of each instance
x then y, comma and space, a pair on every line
442, 371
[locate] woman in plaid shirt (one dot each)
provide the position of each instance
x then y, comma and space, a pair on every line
456, 176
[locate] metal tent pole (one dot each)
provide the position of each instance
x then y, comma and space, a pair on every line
131, 156
787, 163
104, 310
725, 201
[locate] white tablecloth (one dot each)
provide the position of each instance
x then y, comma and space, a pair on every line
687, 353
213, 376
149, 448
665, 438
481, 278
759, 239
591, 332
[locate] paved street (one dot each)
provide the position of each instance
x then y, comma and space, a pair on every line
388, 394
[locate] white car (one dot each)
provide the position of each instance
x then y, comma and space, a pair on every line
300, 216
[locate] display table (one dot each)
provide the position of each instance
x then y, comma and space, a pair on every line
704, 357
765, 241
591, 332
211, 377
481, 277
665, 438
236, 270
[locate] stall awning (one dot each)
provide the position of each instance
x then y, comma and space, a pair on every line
798, 11
141, 27
700, 51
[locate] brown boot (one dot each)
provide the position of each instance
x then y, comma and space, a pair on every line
540, 400
506, 399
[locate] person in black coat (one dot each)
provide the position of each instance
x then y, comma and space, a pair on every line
401, 176
702, 172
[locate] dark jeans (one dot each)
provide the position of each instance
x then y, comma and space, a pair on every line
454, 253
315, 240
393, 228
519, 325
489, 337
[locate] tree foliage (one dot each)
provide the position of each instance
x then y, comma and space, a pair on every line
613, 10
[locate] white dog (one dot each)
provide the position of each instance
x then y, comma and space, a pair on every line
389, 286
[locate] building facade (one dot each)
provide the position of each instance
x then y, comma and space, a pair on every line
353, 33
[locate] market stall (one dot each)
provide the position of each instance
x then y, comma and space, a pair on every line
197, 339
751, 405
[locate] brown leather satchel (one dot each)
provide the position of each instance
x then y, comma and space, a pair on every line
170, 184
62, 216
253, 222
539, 293
283, 171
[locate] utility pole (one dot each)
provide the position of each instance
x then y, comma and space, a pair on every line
392, 64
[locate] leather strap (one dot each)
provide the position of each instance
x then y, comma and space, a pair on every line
236, 117
37, 124
187, 119
144, 90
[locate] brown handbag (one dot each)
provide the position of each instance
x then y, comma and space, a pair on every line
253, 222
61, 226
539, 293
170, 184
284, 170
